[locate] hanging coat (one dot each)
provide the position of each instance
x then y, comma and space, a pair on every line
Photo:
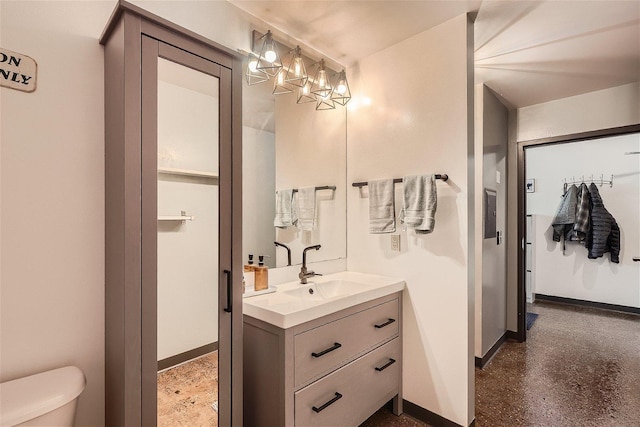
582, 222
565, 216
604, 232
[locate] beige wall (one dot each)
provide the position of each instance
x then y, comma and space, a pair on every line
52, 311
413, 125
603, 109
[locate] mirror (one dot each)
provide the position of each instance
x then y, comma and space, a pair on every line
187, 272
291, 146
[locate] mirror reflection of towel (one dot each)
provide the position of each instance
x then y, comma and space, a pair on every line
285, 209
382, 211
306, 204
420, 203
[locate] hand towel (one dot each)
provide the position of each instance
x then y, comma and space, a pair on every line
285, 209
420, 203
382, 212
306, 205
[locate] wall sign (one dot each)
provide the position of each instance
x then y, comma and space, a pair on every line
17, 71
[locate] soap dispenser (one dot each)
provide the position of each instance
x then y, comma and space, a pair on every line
249, 274
261, 275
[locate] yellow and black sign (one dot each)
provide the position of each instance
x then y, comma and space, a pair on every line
17, 71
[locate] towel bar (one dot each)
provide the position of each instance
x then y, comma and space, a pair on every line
443, 177
324, 187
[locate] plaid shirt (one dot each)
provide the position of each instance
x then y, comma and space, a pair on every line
581, 225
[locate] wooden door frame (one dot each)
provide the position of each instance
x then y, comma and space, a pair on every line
521, 333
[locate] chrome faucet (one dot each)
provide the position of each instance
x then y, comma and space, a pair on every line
304, 274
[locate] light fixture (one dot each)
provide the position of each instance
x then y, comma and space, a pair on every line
264, 62
321, 85
296, 73
281, 87
269, 60
253, 75
305, 95
325, 103
341, 93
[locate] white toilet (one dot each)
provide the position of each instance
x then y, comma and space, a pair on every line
46, 399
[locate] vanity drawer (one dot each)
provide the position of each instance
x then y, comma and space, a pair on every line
325, 348
354, 392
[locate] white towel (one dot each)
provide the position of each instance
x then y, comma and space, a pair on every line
285, 209
306, 205
382, 211
420, 202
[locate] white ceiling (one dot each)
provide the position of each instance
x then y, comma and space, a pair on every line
528, 52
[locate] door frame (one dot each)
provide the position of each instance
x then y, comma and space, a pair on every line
521, 333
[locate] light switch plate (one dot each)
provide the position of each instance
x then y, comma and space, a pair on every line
395, 242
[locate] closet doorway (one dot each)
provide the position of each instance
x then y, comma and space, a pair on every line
561, 271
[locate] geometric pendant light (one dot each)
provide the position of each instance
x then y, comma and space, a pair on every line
269, 59
253, 75
305, 95
325, 103
321, 85
261, 67
296, 73
281, 87
341, 93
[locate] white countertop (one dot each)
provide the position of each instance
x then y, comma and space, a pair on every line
294, 303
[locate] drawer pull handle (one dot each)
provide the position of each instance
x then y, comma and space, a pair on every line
382, 325
389, 363
335, 346
332, 401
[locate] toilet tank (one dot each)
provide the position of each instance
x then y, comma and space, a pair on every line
48, 398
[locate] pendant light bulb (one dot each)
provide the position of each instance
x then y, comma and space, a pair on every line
297, 73
270, 56
341, 94
305, 95
321, 85
253, 74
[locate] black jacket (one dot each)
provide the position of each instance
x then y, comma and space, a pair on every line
604, 233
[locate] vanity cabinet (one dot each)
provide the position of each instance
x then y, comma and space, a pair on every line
336, 370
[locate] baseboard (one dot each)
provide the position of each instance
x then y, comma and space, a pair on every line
426, 416
186, 356
592, 304
512, 335
482, 361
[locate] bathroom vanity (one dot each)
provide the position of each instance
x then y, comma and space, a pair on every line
329, 369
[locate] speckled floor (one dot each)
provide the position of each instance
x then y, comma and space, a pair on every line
385, 418
186, 393
579, 367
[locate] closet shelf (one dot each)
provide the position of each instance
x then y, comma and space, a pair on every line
176, 218
187, 172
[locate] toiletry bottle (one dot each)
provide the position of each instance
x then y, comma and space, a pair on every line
249, 274
262, 275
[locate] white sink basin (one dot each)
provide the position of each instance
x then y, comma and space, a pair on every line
317, 291
294, 303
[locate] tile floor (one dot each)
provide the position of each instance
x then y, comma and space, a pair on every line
187, 392
579, 367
